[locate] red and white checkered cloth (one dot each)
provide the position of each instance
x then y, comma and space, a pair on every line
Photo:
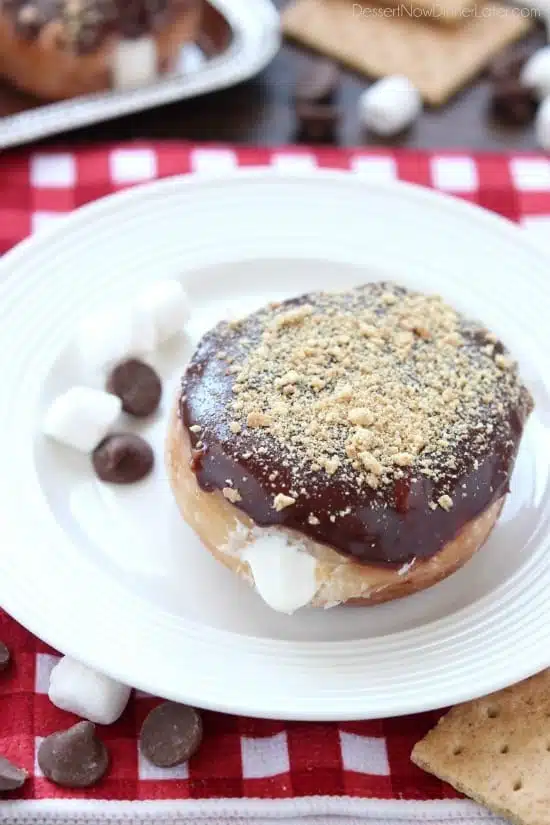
36, 189
247, 769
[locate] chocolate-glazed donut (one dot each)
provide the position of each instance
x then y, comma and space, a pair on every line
62, 48
377, 422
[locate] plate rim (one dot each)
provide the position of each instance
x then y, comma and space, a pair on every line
151, 189
227, 177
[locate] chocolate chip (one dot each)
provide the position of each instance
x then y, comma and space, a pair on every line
138, 387
505, 67
123, 458
158, 11
73, 758
28, 22
139, 18
11, 777
509, 63
171, 734
5, 657
513, 103
317, 122
88, 37
84, 25
318, 82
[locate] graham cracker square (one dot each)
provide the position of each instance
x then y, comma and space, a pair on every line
383, 40
496, 750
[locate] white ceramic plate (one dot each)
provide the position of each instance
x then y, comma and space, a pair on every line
116, 579
256, 40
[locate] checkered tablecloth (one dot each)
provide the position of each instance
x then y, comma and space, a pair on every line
37, 189
247, 769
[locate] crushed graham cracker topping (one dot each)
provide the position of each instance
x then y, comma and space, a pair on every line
386, 396
231, 495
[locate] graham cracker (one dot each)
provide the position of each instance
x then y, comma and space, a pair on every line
496, 750
438, 60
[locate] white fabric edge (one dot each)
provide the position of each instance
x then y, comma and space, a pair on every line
318, 810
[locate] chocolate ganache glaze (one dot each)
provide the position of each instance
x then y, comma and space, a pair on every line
378, 421
86, 23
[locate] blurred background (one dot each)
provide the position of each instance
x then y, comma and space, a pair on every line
489, 111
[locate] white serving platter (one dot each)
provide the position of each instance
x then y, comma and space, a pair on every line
115, 578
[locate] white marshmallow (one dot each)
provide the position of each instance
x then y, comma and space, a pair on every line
104, 338
536, 72
390, 105
404, 569
284, 576
144, 332
81, 417
134, 63
542, 124
91, 695
110, 336
168, 305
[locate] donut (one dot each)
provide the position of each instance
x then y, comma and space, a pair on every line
58, 49
346, 448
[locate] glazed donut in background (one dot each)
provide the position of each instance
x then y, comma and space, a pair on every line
346, 448
56, 49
